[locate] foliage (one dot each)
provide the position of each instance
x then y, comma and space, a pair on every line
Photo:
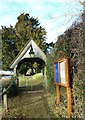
70, 44
0, 48
11, 87
82, 2
50, 74
48, 47
13, 90
28, 28
23, 68
14, 38
9, 50
61, 49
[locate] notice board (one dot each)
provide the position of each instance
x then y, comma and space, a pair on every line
61, 72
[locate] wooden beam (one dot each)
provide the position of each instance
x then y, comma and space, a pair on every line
69, 101
58, 94
5, 100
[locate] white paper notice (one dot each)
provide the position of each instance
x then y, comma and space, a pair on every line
62, 73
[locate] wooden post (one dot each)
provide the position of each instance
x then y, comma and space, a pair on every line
69, 101
0, 101
58, 94
5, 100
45, 78
31, 83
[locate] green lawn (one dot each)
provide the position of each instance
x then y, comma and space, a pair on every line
30, 80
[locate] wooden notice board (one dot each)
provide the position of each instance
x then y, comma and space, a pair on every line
61, 72
61, 78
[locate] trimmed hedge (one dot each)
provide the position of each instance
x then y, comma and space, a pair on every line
70, 44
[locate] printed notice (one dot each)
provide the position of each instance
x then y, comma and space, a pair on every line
62, 73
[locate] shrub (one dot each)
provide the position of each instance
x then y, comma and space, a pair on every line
70, 44
11, 87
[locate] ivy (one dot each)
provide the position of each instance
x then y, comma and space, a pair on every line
70, 44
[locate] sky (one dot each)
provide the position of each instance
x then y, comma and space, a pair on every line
54, 15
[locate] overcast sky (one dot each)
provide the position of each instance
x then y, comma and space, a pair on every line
54, 15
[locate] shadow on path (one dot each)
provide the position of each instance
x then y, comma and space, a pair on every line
31, 88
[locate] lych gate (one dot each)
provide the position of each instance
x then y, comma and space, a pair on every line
31, 54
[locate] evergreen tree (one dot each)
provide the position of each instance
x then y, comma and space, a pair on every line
9, 50
14, 38
28, 28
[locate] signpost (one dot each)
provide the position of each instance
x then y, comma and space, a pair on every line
61, 77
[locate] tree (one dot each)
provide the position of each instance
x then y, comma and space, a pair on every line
9, 50
14, 38
82, 2
28, 28
48, 47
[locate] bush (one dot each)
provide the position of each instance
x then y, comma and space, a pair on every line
13, 89
50, 73
70, 44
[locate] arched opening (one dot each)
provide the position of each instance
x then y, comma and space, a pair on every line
31, 72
